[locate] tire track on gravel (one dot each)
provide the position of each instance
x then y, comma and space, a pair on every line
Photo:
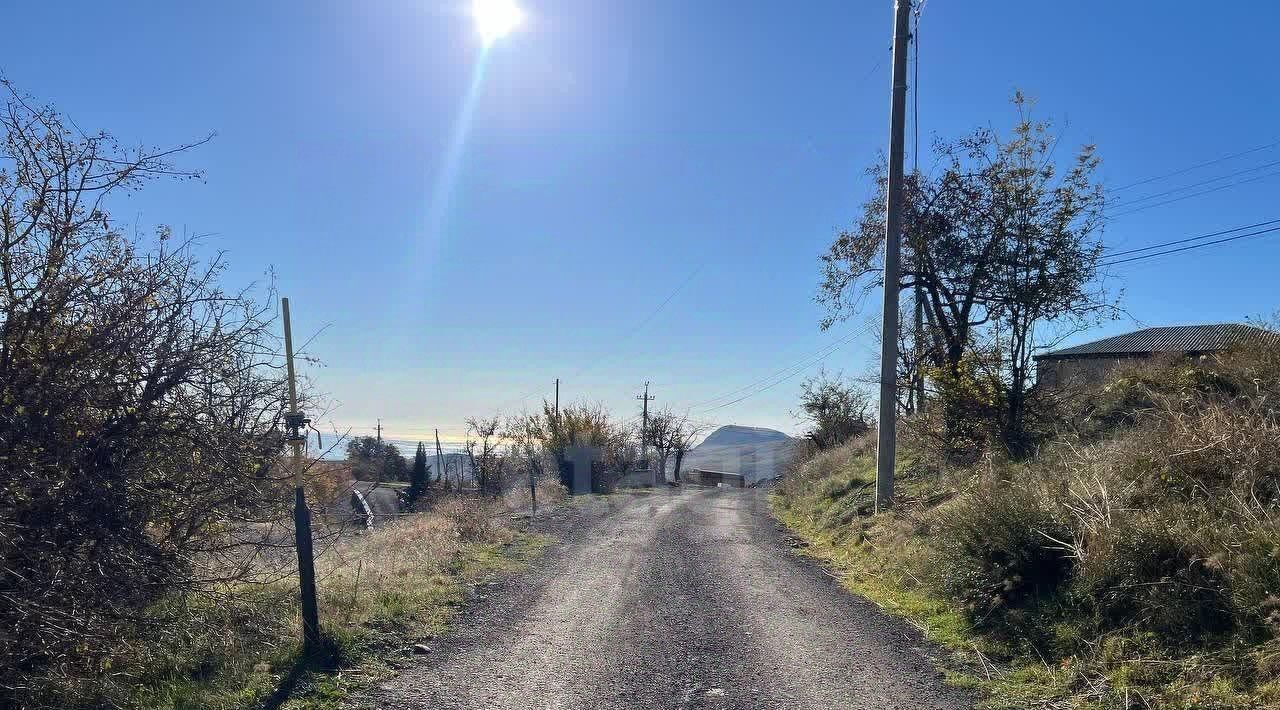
676, 599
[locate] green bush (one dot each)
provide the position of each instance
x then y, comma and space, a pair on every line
847, 503
1153, 571
996, 549
1253, 571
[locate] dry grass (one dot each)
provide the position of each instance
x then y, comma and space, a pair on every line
548, 489
1133, 563
377, 591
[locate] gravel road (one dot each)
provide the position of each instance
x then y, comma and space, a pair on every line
675, 599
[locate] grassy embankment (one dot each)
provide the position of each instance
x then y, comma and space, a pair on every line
1132, 564
379, 593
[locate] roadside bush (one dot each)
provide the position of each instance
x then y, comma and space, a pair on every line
971, 405
472, 519
140, 409
1216, 448
1253, 572
1153, 571
996, 548
549, 491
836, 409
1173, 382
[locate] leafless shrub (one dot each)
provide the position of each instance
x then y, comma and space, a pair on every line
472, 519
139, 407
548, 490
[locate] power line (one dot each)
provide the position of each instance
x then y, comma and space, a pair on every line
1197, 166
749, 395
1190, 247
776, 378
1197, 184
820, 352
1112, 255
1194, 194
631, 333
653, 314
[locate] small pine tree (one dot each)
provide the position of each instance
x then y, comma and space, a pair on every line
418, 476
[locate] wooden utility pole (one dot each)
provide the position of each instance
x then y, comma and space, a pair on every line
644, 425
557, 400
886, 449
440, 461
917, 384
533, 493
295, 422
379, 428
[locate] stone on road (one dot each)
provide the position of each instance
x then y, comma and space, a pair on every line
676, 599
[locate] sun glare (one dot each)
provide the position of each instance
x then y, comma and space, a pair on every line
495, 19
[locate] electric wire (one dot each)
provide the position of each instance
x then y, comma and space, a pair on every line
1197, 166
1219, 233
1199, 245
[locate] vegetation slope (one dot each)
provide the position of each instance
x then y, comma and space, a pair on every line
1133, 561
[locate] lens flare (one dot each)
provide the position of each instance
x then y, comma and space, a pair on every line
495, 19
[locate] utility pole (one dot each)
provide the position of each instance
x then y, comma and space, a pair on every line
918, 357
557, 400
917, 383
887, 445
382, 453
295, 422
440, 461
644, 427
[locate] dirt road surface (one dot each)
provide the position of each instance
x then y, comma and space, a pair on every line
675, 599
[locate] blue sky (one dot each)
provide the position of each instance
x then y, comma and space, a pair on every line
617, 150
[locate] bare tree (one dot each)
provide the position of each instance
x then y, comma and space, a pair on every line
549, 433
141, 404
525, 432
682, 440
671, 435
487, 467
621, 452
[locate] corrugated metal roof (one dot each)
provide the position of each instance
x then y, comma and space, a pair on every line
1177, 338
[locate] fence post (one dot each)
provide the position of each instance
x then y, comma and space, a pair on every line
294, 422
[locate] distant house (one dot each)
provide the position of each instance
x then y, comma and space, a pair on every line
1090, 363
706, 477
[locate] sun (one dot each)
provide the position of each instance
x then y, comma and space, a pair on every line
495, 19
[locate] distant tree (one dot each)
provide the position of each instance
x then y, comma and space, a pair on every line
527, 449
487, 461
374, 460
1006, 248
419, 476
394, 465
682, 441
555, 431
671, 435
621, 452
836, 409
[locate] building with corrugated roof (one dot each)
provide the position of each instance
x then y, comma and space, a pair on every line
1090, 363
